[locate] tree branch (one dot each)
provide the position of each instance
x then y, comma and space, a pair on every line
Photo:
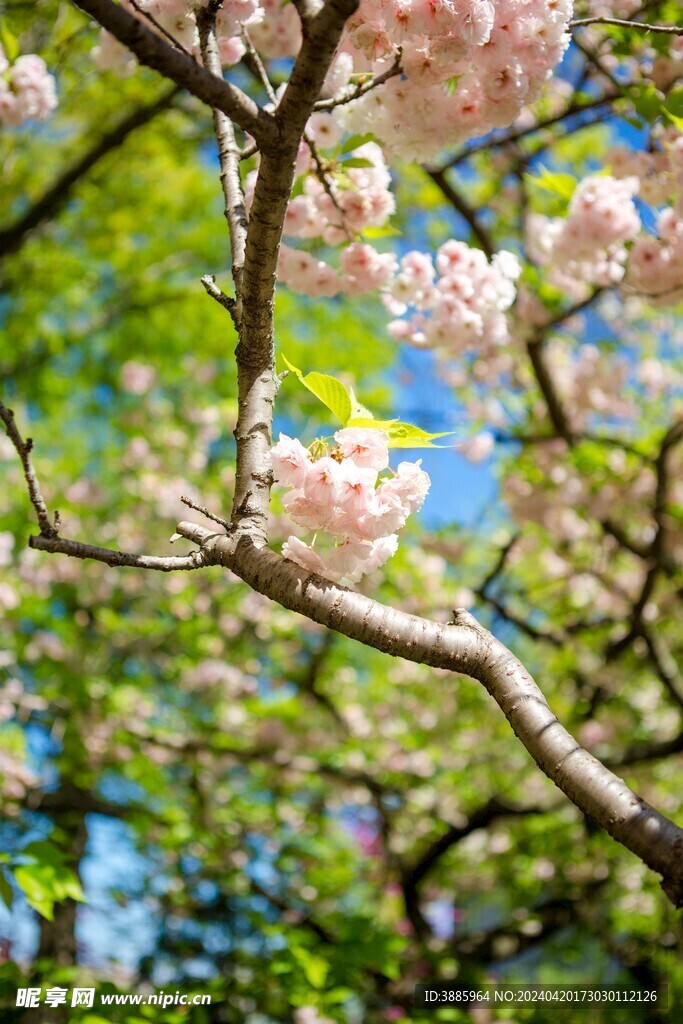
54, 198
572, 110
168, 563
257, 381
155, 53
354, 92
674, 30
229, 158
23, 449
49, 539
465, 647
556, 411
483, 816
438, 176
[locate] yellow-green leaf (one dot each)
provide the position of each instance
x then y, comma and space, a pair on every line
330, 391
401, 435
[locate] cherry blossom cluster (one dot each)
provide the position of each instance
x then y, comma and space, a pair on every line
342, 195
466, 67
273, 28
602, 241
655, 268
589, 244
338, 494
456, 306
668, 68
27, 90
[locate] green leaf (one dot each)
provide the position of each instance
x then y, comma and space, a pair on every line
9, 41
43, 852
358, 410
354, 141
36, 889
401, 435
314, 967
357, 161
45, 884
385, 231
6, 891
677, 121
329, 390
647, 101
673, 103
559, 184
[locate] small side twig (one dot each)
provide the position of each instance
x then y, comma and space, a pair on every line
24, 448
354, 92
212, 289
205, 512
160, 28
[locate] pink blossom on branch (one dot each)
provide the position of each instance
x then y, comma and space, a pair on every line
339, 496
27, 90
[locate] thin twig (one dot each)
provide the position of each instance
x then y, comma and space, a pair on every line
595, 59
259, 67
321, 175
160, 28
354, 92
204, 511
23, 448
74, 548
573, 110
674, 30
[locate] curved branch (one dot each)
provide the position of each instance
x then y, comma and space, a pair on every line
480, 818
155, 53
466, 647
51, 201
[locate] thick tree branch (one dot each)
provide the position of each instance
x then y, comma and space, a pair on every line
257, 381
54, 198
466, 647
155, 53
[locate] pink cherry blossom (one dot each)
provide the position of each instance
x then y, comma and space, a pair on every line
367, 448
296, 551
291, 461
27, 90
